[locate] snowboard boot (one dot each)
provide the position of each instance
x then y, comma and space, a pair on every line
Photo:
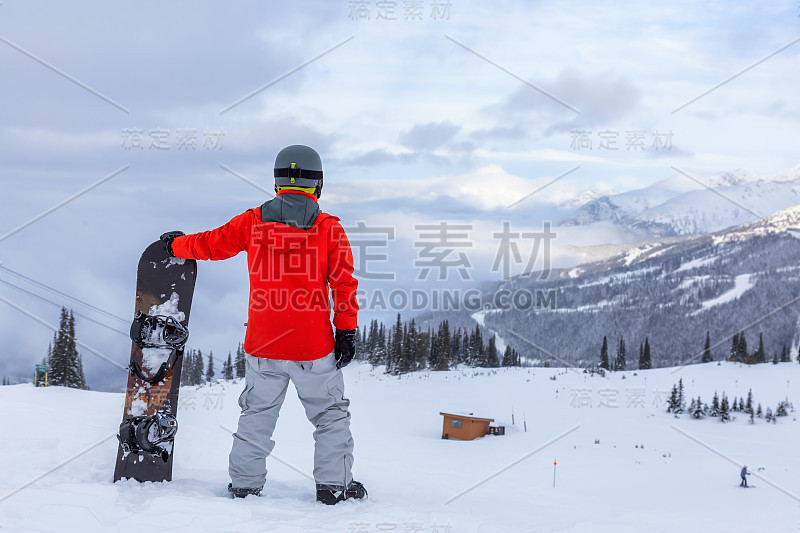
333, 494
237, 492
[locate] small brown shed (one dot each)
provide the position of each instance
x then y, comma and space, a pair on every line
464, 426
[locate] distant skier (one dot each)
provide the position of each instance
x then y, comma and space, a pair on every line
296, 254
745, 473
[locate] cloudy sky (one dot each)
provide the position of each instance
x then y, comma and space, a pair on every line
171, 113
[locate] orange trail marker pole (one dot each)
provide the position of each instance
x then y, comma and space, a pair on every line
554, 474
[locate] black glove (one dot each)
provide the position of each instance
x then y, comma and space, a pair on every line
345, 346
167, 239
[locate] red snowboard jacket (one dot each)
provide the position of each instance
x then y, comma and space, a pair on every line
291, 273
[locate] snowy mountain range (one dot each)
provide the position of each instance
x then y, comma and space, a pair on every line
740, 279
679, 205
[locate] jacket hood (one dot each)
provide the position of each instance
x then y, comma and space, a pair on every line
282, 238
297, 210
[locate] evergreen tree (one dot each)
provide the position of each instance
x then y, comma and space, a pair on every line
227, 368
645, 361
769, 417
681, 400
403, 360
759, 412
741, 349
445, 353
508, 357
734, 352
621, 361
58, 357
714, 406
395, 346
724, 412
775, 358
241, 361
604, 355
741, 404
760, 355
698, 411
672, 403
66, 367
186, 369
707, 357
210, 369
199, 368
492, 360
380, 348
748, 407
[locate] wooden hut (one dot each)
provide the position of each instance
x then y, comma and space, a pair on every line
464, 426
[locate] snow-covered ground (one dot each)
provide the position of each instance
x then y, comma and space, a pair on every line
623, 464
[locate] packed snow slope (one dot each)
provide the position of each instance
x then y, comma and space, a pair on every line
623, 465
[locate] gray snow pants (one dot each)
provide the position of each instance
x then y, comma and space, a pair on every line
320, 386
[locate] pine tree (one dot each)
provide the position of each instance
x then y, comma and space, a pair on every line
199, 368
58, 357
759, 412
784, 354
681, 400
75, 377
741, 404
741, 348
748, 407
210, 370
241, 361
186, 369
621, 361
775, 358
66, 368
508, 357
445, 351
724, 412
734, 352
672, 403
645, 361
714, 406
492, 360
769, 417
698, 411
227, 368
707, 357
760, 355
403, 360
380, 349
604, 355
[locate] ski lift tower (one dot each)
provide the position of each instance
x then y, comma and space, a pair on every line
40, 376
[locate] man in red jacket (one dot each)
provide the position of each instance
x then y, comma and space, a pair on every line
297, 257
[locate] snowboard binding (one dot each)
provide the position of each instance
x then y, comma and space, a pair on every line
149, 331
148, 434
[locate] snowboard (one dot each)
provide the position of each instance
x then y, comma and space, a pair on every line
164, 288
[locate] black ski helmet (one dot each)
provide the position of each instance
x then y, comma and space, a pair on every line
298, 166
